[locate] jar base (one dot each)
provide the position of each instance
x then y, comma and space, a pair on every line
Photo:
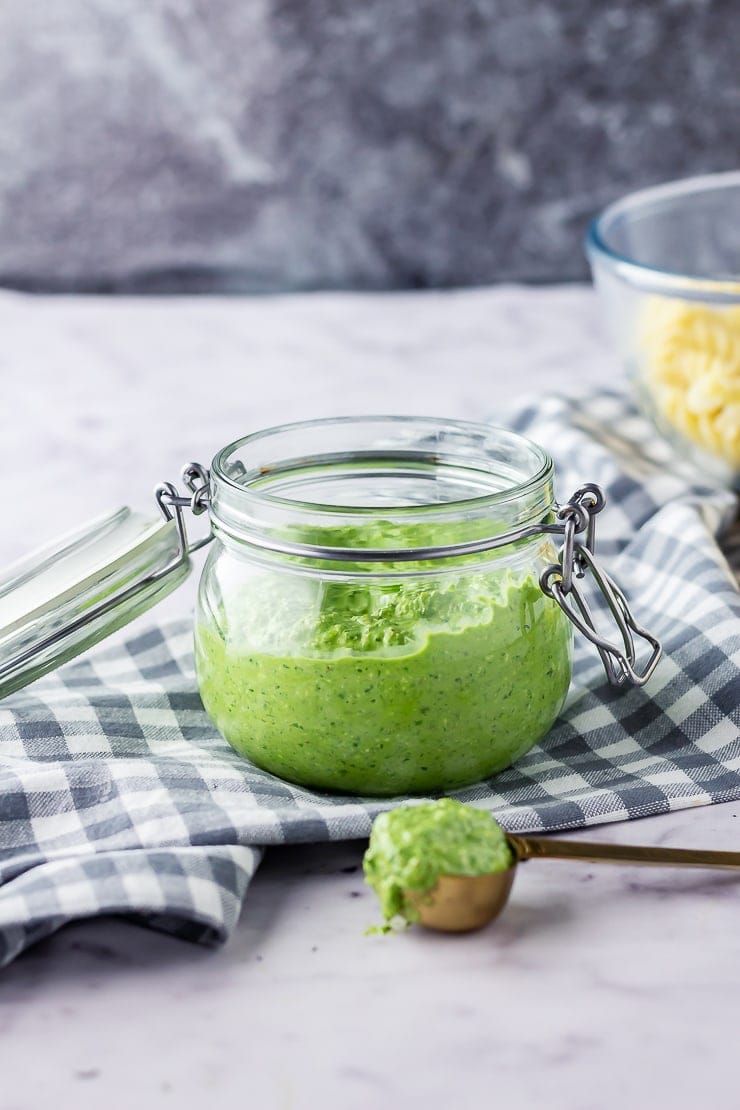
367, 782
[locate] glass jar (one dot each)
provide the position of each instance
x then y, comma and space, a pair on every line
392, 677
383, 609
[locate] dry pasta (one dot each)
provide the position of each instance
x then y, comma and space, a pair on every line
690, 355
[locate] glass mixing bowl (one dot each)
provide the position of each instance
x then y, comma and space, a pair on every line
666, 265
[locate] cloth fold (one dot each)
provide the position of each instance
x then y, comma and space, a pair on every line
117, 795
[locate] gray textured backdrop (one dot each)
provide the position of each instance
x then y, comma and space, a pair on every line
262, 144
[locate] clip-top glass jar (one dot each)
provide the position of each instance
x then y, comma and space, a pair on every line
383, 609
380, 677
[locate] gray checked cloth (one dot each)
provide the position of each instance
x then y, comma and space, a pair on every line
118, 796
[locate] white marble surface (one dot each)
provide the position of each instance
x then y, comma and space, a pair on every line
598, 988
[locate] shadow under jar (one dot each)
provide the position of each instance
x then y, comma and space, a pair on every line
343, 641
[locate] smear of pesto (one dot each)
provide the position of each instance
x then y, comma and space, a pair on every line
412, 846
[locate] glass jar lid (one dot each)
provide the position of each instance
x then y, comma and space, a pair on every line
69, 595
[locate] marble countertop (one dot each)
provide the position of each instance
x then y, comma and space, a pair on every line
599, 987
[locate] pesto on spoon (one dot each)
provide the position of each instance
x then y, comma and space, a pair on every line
411, 847
451, 867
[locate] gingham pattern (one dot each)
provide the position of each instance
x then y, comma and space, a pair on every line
118, 796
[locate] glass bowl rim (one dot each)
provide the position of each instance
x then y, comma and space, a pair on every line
725, 287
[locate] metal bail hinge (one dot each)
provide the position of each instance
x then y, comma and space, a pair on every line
576, 558
172, 505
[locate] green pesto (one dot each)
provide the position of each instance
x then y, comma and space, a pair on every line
372, 688
412, 846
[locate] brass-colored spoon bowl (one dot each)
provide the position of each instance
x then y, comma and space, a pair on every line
462, 903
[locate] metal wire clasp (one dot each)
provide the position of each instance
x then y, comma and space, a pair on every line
576, 557
172, 505
575, 519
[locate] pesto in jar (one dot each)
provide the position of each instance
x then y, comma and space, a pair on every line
383, 688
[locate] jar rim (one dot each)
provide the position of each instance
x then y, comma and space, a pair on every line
405, 474
509, 493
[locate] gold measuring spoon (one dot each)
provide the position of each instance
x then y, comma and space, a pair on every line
461, 903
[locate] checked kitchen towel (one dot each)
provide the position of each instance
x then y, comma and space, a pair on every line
118, 796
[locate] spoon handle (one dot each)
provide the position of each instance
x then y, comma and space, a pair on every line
535, 847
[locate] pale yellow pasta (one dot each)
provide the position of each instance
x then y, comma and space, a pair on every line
690, 357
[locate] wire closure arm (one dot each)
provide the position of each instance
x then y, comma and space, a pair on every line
558, 582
